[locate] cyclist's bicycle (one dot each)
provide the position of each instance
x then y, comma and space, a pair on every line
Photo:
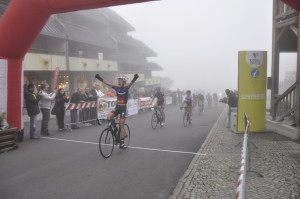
158, 117
111, 137
187, 120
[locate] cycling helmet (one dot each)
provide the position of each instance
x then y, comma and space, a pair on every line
188, 91
122, 78
158, 86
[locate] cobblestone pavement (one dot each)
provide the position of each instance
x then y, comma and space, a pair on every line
274, 166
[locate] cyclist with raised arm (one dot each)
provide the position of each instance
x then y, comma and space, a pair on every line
188, 103
160, 101
122, 97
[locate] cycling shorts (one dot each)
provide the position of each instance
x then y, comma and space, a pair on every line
161, 104
120, 110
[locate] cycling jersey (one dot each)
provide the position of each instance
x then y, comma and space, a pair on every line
160, 98
188, 100
122, 95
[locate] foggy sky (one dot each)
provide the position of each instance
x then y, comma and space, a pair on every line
197, 41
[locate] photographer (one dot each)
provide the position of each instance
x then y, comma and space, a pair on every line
45, 104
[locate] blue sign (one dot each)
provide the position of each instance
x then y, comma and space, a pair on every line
254, 73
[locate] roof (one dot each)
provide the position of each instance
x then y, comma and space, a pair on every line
95, 15
153, 66
130, 58
114, 17
145, 49
77, 33
53, 28
130, 41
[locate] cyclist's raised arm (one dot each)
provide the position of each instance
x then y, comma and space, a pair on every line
97, 76
136, 76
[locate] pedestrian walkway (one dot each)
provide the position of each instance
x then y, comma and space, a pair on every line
215, 175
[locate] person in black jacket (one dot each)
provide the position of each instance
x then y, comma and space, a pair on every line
32, 106
75, 99
94, 97
60, 100
232, 103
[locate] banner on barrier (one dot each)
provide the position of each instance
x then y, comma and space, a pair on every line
145, 102
132, 107
105, 106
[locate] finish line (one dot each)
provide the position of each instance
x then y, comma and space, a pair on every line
132, 147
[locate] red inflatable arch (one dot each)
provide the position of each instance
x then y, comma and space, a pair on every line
293, 3
19, 26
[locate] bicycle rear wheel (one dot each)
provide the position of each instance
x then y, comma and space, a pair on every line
127, 136
185, 119
106, 143
154, 121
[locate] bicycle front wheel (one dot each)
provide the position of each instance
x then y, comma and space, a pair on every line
154, 121
185, 119
106, 143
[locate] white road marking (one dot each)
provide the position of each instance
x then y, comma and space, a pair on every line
133, 147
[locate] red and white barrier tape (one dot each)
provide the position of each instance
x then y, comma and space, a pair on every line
81, 105
240, 191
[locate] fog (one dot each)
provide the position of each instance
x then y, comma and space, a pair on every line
197, 41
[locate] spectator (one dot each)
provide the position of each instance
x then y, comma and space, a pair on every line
87, 96
94, 97
96, 91
45, 104
60, 100
25, 86
32, 105
231, 98
85, 113
232, 103
75, 99
111, 93
133, 94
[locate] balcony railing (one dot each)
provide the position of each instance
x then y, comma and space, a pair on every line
285, 104
285, 12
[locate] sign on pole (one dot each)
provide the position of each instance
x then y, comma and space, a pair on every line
252, 81
55, 78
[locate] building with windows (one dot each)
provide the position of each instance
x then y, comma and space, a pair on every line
73, 47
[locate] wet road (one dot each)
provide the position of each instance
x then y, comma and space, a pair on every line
69, 165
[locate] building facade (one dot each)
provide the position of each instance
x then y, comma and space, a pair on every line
73, 47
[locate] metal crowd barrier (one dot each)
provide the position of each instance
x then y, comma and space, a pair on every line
87, 113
